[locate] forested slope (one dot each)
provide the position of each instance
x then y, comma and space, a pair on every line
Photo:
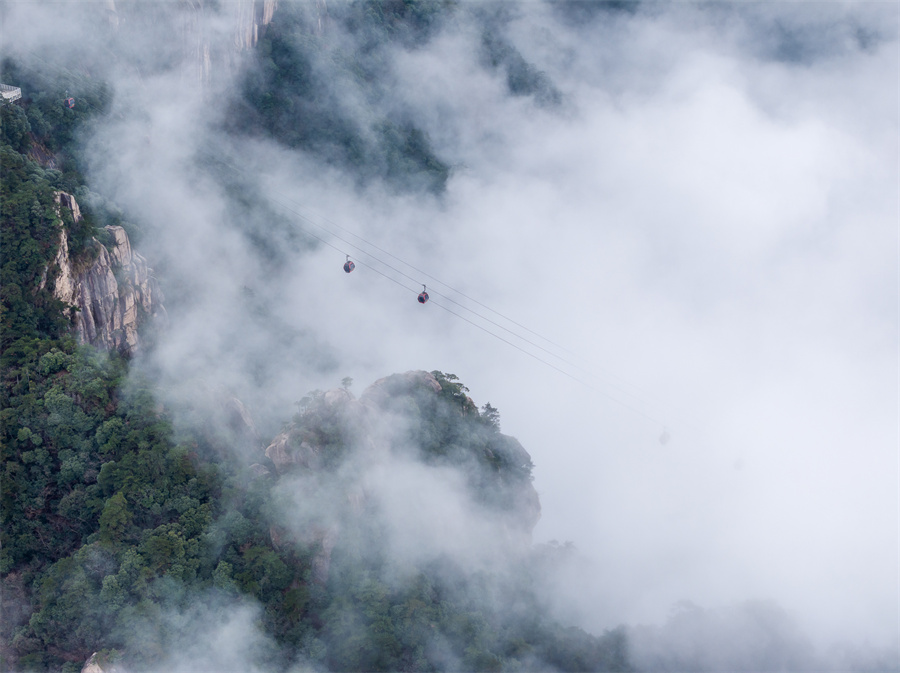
115, 530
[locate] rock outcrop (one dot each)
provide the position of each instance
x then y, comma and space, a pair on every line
380, 392
253, 17
99, 663
205, 55
305, 447
404, 416
114, 295
211, 36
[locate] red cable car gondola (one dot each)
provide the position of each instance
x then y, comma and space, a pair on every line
70, 103
423, 296
348, 265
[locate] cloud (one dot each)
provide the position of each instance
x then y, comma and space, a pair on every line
708, 219
214, 632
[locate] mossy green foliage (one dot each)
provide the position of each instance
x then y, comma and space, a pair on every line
41, 122
446, 617
377, 612
408, 22
110, 526
450, 430
31, 221
29, 238
113, 527
98, 502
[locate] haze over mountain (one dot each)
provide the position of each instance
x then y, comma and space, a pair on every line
694, 208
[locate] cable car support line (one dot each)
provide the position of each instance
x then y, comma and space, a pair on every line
284, 201
290, 207
620, 384
552, 366
437, 280
440, 294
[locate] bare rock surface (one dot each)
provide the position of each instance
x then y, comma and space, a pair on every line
114, 295
98, 664
252, 17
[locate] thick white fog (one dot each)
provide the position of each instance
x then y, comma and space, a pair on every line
707, 221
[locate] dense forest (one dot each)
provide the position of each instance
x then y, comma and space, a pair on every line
114, 524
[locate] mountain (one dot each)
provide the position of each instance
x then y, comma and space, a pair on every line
112, 295
161, 518
390, 531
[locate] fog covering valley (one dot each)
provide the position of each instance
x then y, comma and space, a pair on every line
635, 222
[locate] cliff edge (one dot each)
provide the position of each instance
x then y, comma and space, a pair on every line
421, 416
114, 295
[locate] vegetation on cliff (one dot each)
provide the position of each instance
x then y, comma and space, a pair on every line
112, 526
149, 517
115, 527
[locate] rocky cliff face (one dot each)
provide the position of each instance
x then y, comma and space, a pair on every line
252, 17
113, 295
211, 35
98, 663
249, 18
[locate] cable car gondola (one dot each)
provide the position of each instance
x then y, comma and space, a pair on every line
423, 296
70, 103
348, 265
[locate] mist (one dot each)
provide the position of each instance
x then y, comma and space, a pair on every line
697, 202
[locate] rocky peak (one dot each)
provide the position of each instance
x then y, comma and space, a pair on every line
114, 295
99, 663
395, 385
412, 415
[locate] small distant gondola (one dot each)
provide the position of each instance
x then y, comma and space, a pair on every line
70, 103
348, 265
423, 296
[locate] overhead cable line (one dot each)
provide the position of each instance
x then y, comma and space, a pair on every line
552, 366
484, 329
619, 384
462, 317
414, 268
280, 200
291, 207
562, 359
437, 280
99, 90
440, 294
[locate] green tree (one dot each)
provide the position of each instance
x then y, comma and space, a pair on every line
115, 518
